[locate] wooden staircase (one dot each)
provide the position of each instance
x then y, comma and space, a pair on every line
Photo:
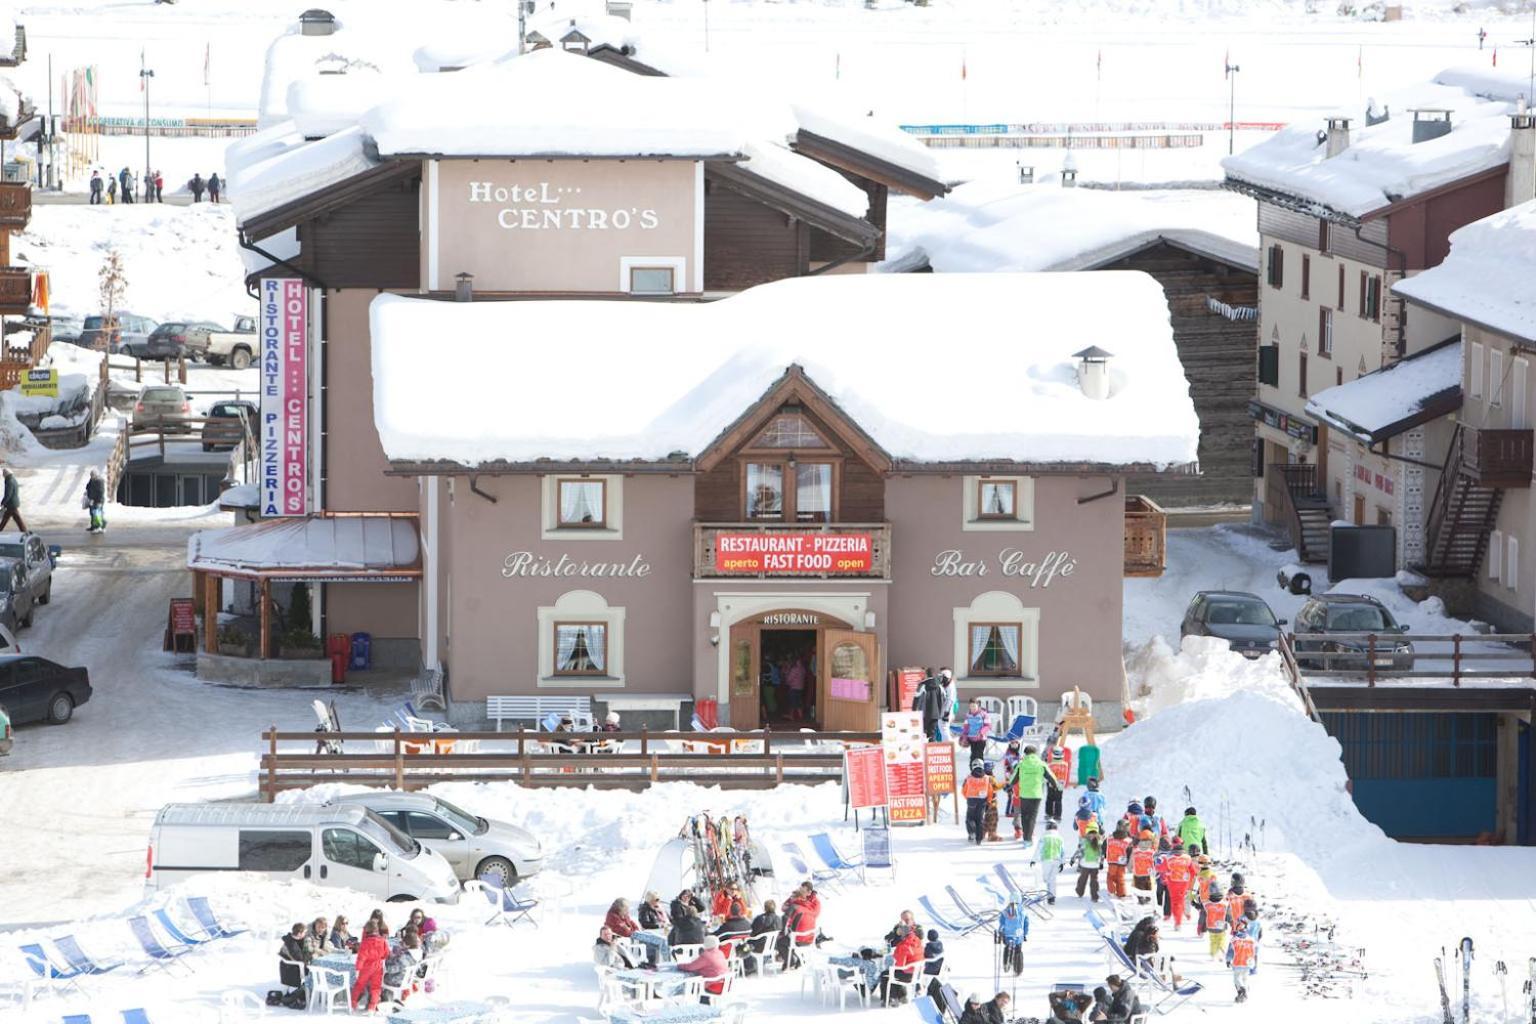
1310, 512
1461, 516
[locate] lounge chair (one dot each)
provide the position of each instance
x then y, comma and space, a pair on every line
209, 920
802, 867
44, 966
77, 958
160, 955
175, 932
1168, 995
927, 1010
507, 907
944, 923
984, 919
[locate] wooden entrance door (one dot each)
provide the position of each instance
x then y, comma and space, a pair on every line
1359, 519
743, 677
849, 681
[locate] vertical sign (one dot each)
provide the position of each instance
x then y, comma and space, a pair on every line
901, 742
939, 776
284, 391
864, 768
907, 680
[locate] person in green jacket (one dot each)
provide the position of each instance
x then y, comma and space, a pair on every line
1090, 857
1049, 855
1191, 830
1031, 777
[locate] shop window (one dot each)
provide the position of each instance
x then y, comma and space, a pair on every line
795, 491
994, 648
999, 503
581, 648
582, 504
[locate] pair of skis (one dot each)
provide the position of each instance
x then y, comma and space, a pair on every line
1464, 955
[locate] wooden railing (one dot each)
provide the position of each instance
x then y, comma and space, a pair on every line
1496, 458
1146, 537
412, 760
117, 460
1372, 647
879, 561
15, 205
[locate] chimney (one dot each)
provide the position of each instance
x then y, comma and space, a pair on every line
1520, 185
464, 287
1430, 123
1026, 174
1338, 136
1093, 372
1069, 172
315, 22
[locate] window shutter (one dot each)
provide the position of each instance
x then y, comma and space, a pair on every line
1495, 554
1475, 370
1341, 286
1269, 365
1301, 386
1306, 275
1512, 563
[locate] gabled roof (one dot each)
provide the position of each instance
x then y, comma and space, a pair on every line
792, 388
1489, 278
839, 223
1387, 402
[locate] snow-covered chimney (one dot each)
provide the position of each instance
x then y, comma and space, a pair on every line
1093, 371
315, 22
1520, 184
463, 287
1338, 136
1430, 123
1026, 174
1069, 172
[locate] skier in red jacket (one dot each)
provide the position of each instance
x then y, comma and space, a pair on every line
371, 954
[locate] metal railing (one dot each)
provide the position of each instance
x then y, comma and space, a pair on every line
1372, 648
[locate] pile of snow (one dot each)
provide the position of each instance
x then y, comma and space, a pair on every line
371, 50
1203, 668
74, 389
1383, 164
1487, 277
635, 407
1370, 404
989, 226
15, 439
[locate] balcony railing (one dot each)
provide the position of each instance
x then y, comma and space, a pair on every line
1146, 537
15, 290
1496, 458
15, 205
791, 550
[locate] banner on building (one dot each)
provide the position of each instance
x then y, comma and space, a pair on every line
284, 434
864, 769
901, 744
792, 553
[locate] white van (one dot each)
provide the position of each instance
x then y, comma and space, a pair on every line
346, 846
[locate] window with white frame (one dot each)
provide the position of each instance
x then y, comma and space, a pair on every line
1512, 563
582, 507
1475, 370
1495, 377
1495, 554
581, 642
652, 275
581, 648
994, 648
1004, 503
997, 637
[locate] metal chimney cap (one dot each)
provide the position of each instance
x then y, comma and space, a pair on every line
1093, 354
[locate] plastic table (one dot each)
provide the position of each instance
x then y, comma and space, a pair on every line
463, 1011
685, 1014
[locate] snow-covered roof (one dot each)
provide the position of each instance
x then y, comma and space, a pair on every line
371, 51
1487, 278
1383, 164
1386, 402
276, 166
935, 368
988, 226
783, 166
600, 29
869, 134
307, 546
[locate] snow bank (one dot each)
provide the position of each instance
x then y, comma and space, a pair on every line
990, 226
369, 49
722, 356
1368, 405
1487, 277
1203, 668
74, 388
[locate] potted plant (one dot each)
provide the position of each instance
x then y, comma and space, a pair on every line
299, 643
234, 641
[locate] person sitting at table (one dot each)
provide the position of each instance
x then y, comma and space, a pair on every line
292, 958
687, 926
720, 907
686, 898
652, 917
317, 940
341, 938
764, 927
906, 921
1068, 1006
371, 954
402, 963
294, 946
606, 952
975, 1010
801, 912
735, 926
710, 963
567, 725
420, 922
906, 958
619, 920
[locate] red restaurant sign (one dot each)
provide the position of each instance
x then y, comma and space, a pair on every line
794, 552
864, 768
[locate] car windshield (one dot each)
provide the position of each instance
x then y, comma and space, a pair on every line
460, 819
387, 835
1359, 618
1240, 613
11, 549
172, 327
226, 410
162, 395
94, 322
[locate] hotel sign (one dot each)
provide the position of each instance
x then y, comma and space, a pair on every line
284, 433
794, 553
543, 206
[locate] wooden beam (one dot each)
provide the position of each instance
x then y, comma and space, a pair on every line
266, 619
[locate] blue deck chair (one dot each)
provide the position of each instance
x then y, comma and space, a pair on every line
208, 919
1002, 872
1104, 928
135, 1017
175, 932
927, 1010
802, 867
77, 1018
77, 958
1166, 995
1036, 901
507, 905
44, 967
985, 918
944, 923
989, 886
825, 849
160, 955
877, 854
952, 1004
1020, 724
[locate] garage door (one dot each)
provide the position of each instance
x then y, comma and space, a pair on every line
1421, 775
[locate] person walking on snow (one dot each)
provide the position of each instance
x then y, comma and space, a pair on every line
1152, 820
1181, 875
1240, 957
1031, 778
10, 503
96, 188
1050, 856
1090, 857
1214, 914
929, 702
159, 187
196, 186
371, 954
1058, 760
976, 788
111, 191
95, 501
1191, 830
214, 187
125, 184
1011, 758
1013, 932
1117, 854
975, 731
1142, 861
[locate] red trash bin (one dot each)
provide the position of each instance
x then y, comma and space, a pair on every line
338, 643
338, 668
708, 711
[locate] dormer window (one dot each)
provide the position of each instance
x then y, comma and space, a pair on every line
790, 429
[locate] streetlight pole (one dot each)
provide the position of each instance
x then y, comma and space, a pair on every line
1232, 70
145, 74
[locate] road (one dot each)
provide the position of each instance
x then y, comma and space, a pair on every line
45, 198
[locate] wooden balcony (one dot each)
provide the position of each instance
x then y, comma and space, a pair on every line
15, 290
791, 550
15, 205
1146, 537
1496, 458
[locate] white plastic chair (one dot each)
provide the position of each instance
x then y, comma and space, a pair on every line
724, 980
1068, 700
1022, 705
686, 951
238, 1006
326, 984
846, 986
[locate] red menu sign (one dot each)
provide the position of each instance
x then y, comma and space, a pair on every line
939, 767
864, 770
183, 616
901, 745
907, 682
791, 553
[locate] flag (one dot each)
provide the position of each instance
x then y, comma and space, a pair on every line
962, 66
1360, 62
838, 73
207, 62
1098, 66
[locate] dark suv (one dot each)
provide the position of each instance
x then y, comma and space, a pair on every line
1326, 614
1240, 618
180, 338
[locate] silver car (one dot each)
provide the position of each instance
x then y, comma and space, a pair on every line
492, 851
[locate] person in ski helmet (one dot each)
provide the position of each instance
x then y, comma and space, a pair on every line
976, 788
1241, 958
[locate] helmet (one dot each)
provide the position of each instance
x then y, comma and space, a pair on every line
978, 763
1134, 808
1146, 833
1093, 784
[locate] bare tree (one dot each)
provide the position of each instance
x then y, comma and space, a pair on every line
113, 282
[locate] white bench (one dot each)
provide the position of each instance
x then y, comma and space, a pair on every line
499, 709
668, 702
427, 688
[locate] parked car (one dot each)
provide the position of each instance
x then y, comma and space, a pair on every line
129, 334
236, 347
228, 424
5, 732
344, 846
1240, 618
180, 338
35, 689
17, 602
36, 558
163, 407
476, 847
8, 642
1350, 613
67, 327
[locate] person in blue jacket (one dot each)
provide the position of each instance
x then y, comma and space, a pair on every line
1095, 800
1013, 932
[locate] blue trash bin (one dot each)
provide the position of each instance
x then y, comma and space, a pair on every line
362, 652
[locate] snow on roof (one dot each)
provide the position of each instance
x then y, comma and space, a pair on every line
868, 134
361, 49
1383, 164
277, 166
600, 29
910, 358
988, 226
326, 104
584, 108
1487, 278
1385, 402
319, 543
797, 173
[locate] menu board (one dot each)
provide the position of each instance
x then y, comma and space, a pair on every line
864, 768
907, 682
939, 768
902, 742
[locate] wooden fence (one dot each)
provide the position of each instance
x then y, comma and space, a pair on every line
413, 760
1368, 650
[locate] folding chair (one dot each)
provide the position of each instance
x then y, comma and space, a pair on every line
77, 958
952, 1004
160, 955
984, 919
800, 866
1023, 707
944, 923
989, 886
508, 907
927, 1010
833, 858
1169, 996
175, 932
44, 967
77, 1018
877, 853
136, 1016
209, 920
